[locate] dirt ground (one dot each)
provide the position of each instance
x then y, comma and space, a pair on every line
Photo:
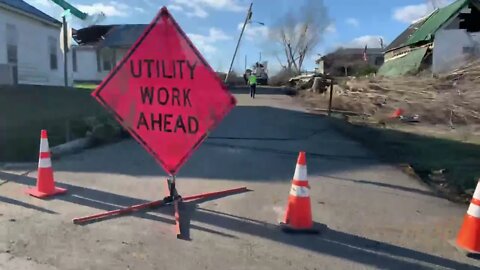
448, 99
372, 215
442, 144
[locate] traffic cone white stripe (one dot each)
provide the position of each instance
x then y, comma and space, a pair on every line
474, 210
300, 173
44, 145
44, 163
476, 194
299, 191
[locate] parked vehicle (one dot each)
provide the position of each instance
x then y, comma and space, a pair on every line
260, 69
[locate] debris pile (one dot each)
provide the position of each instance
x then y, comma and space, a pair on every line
317, 83
451, 99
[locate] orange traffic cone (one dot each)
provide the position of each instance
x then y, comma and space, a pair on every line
45, 182
397, 113
298, 216
469, 236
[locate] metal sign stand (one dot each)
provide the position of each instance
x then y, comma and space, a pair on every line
173, 198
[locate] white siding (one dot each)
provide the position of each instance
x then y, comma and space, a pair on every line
3, 41
448, 55
33, 50
87, 63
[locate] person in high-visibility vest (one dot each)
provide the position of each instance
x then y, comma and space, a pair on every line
252, 80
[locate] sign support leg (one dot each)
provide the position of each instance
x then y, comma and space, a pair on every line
172, 198
176, 199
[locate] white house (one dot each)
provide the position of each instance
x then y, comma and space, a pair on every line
30, 46
100, 48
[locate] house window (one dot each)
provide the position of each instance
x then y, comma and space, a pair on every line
99, 68
378, 60
74, 59
52, 50
107, 59
12, 54
468, 50
12, 44
107, 64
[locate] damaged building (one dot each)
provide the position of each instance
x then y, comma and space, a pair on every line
349, 61
446, 39
100, 48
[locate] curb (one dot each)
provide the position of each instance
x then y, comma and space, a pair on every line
58, 151
71, 147
18, 165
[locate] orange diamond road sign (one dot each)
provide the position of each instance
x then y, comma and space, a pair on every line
165, 93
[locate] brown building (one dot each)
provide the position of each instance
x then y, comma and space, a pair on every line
349, 61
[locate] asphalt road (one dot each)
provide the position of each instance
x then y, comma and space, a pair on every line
372, 214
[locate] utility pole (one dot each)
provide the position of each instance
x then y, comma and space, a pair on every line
260, 57
248, 17
65, 50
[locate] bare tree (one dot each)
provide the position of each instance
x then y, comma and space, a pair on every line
299, 32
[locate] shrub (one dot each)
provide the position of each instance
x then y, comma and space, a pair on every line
282, 77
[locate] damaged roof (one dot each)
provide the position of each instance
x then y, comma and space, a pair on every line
424, 30
25, 7
351, 51
91, 35
346, 51
112, 36
404, 65
123, 36
405, 35
436, 20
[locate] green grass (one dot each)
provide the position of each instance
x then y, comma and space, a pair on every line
25, 110
461, 161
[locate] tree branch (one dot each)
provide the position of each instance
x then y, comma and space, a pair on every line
299, 32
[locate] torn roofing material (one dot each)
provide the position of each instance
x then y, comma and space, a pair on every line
112, 36
403, 65
91, 35
123, 36
25, 7
405, 35
423, 31
427, 31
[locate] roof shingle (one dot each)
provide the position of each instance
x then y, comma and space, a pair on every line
25, 7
